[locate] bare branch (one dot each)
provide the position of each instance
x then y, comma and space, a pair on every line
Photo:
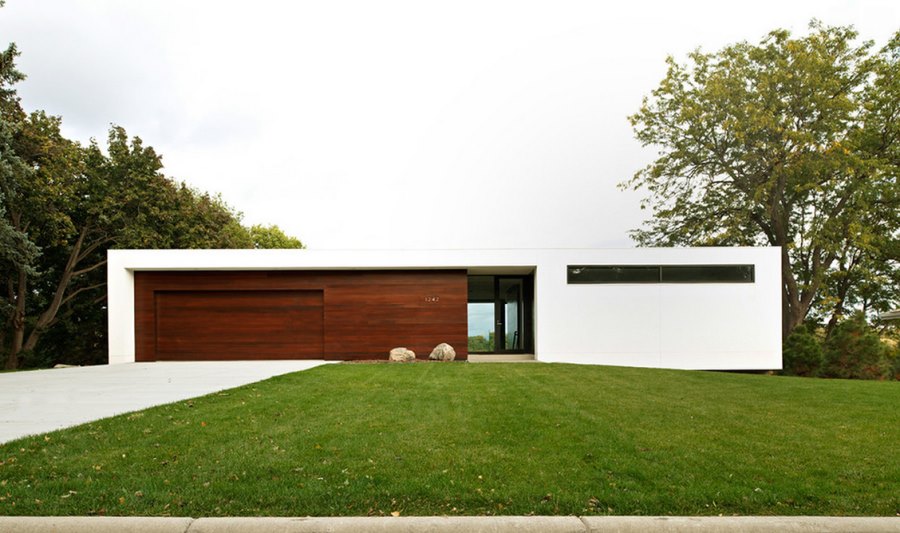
75, 293
88, 269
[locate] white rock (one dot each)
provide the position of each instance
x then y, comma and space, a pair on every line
443, 352
402, 355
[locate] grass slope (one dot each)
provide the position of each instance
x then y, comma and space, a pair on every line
432, 439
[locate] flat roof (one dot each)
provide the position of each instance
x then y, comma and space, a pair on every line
476, 261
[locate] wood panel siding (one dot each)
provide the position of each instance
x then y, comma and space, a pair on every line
270, 315
237, 325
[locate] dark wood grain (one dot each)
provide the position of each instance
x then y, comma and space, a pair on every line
239, 325
272, 315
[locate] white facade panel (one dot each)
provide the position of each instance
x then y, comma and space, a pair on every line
120, 300
620, 319
692, 326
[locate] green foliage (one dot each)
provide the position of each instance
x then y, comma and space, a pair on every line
802, 353
62, 205
507, 439
791, 142
272, 237
120, 199
856, 351
895, 363
480, 343
79, 336
9, 76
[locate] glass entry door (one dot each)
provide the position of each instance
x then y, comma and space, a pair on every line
500, 314
510, 311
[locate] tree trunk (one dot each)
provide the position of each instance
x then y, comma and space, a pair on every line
46, 318
76, 256
794, 314
18, 324
796, 304
786, 321
791, 307
838, 310
843, 289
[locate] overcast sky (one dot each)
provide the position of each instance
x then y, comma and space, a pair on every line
383, 124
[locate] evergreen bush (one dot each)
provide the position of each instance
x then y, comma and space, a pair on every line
802, 353
854, 350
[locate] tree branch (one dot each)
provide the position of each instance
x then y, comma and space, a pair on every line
88, 269
75, 293
93, 246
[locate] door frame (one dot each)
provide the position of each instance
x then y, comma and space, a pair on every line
526, 303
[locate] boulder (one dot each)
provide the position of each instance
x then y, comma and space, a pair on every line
443, 352
402, 355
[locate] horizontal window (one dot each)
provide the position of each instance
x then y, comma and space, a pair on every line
661, 274
614, 274
707, 274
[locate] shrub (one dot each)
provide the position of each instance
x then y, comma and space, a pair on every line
802, 353
854, 350
895, 363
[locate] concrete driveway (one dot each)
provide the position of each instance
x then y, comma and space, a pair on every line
44, 400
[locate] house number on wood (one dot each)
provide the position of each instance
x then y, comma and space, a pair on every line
432, 299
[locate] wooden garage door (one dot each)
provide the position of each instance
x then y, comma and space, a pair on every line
239, 324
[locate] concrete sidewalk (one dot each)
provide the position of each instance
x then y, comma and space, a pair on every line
38, 401
444, 524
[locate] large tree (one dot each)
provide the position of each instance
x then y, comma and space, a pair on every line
791, 142
74, 203
62, 206
122, 200
19, 252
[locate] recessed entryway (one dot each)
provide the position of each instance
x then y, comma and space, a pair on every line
500, 314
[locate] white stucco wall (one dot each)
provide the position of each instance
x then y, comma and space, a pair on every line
692, 326
734, 326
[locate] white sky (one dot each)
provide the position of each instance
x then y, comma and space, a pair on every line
384, 124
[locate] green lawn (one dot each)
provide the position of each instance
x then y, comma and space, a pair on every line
476, 439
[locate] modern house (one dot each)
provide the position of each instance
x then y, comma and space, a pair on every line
691, 308
890, 315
